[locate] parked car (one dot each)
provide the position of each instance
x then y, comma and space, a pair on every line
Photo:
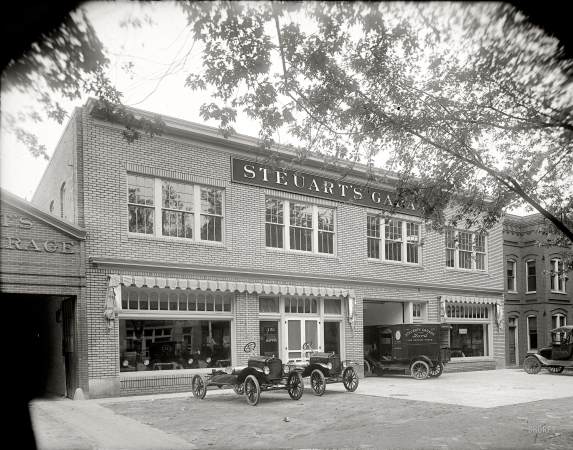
168, 355
262, 373
132, 360
556, 357
325, 368
420, 349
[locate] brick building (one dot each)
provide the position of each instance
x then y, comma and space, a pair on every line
192, 242
536, 300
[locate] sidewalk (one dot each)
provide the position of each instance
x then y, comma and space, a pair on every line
64, 424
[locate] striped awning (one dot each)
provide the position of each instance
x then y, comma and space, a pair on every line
212, 285
478, 300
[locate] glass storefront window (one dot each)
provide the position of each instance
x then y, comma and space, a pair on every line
469, 340
332, 337
269, 338
173, 344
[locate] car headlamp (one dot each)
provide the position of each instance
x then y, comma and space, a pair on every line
190, 360
208, 360
286, 369
146, 362
329, 365
266, 370
344, 364
125, 363
229, 370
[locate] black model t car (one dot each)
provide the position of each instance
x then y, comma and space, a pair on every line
557, 356
326, 368
263, 373
420, 349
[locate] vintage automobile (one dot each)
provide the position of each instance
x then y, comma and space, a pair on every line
419, 349
132, 360
263, 373
168, 356
325, 368
556, 357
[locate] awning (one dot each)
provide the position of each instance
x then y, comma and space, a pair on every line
211, 285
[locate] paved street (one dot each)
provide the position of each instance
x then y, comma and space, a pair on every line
474, 410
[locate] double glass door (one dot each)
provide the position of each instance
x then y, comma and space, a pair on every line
300, 331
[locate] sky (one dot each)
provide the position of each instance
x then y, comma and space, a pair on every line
163, 46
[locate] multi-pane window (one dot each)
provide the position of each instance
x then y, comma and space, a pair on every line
557, 278
274, 223
140, 204
465, 250
558, 320
511, 282
531, 276
299, 226
177, 207
395, 240
174, 209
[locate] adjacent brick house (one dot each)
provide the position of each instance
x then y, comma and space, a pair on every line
202, 247
536, 300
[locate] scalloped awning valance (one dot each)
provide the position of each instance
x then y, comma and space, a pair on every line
212, 285
464, 299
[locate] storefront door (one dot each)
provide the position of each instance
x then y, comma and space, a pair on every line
300, 331
69, 345
512, 340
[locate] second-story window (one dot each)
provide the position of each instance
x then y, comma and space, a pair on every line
465, 250
511, 282
395, 240
299, 226
557, 280
174, 209
531, 276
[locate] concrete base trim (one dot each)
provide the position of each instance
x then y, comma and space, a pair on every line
104, 387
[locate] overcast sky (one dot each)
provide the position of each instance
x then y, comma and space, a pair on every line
165, 46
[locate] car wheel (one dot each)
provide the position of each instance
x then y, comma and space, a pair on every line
350, 379
239, 388
437, 370
367, 369
420, 370
531, 365
317, 382
555, 369
252, 390
295, 385
199, 386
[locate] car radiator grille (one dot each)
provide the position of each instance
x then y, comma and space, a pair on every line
335, 360
275, 369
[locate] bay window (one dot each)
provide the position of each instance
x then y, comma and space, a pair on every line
168, 208
395, 240
299, 226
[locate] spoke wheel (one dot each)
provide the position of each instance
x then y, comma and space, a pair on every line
532, 365
239, 388
367, 369
317, 382
420, 370
199, 386
556, 369
295, 385
437, 370
350, 379
252, 390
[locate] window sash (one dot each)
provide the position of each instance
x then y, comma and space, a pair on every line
465, 250
531, 276
557, 283
396, 240
511, 276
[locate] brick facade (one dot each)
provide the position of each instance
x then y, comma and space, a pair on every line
519, 245
195, 154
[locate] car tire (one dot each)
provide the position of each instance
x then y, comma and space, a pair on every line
350, 379
420, 370
437, 370
532, 365
317, 382
239, 388
199, 386
295, 385
556, 369
252, 390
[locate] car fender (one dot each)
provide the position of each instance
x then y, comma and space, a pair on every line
255, 371
421, 358
311, 367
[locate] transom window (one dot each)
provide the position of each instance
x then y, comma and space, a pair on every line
301, 305
467, 311
465, 250
175, 300
395, 240
168, 208
299, 226
511, 282
557, 276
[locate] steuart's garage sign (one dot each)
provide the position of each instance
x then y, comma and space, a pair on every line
257, 174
